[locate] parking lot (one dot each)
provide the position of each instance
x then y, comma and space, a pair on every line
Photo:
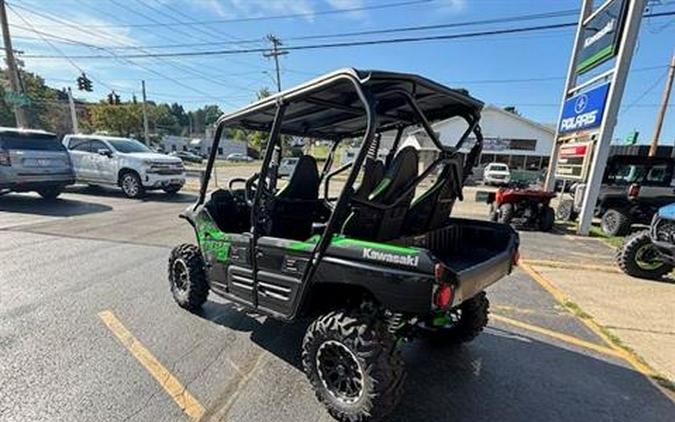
89, 331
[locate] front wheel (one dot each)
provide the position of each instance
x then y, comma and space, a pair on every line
187, 277
131, 185
638, 257
49, 193
459, 325
352, 363
505, 213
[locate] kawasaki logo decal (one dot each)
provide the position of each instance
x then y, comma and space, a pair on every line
391, 258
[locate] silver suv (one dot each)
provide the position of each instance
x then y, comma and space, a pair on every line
33, 160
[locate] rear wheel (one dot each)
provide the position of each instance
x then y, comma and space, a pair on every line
187, 277
505, 213
615, 222
352, 363
638, 257
50, 193
172, 190
459, 325
493, 214
131, 185
546, 219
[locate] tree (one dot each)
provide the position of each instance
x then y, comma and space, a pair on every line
121, 120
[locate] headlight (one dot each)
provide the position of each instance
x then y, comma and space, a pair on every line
147, 162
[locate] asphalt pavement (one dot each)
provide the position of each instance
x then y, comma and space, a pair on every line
67, 265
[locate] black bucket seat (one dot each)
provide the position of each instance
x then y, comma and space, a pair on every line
295, 206
381, 216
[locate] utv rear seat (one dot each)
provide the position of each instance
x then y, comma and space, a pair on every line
381, 216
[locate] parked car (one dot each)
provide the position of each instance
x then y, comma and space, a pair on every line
650, 253
287, 166
187, 156
496, 174
33, 160
633, 189
236, 156
123, 162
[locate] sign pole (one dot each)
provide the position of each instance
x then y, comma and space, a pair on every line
617, 84
570, 82
73, 113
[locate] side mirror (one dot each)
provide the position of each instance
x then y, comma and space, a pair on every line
105, 151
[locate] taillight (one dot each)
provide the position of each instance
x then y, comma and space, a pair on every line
633, 191
516, 257
4, 158
443, 296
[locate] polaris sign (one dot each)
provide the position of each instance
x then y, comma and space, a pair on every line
584, 111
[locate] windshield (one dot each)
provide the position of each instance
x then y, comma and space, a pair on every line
626, 174
128, 146
30, 141
498, 167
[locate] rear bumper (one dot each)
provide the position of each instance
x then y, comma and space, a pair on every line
32, 184
495, 180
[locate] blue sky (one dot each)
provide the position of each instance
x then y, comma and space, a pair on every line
492, 68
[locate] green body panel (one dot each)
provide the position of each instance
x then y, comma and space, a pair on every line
211, 239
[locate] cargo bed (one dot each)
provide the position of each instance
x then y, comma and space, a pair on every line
479, 252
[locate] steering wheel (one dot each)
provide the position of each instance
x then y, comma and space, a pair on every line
235, 180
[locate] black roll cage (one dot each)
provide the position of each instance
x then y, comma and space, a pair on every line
448, 153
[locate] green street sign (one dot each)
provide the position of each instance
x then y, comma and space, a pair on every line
17, 99
632, 137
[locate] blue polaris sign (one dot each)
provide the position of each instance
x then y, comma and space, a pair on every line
584, 111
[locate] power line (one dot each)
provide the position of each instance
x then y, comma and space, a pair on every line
263, 18
444, 37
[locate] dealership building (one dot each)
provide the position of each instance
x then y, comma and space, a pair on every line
508, 138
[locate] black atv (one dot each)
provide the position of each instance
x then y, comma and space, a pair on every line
650, 254
371, 267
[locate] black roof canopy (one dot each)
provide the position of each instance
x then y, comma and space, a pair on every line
334, 105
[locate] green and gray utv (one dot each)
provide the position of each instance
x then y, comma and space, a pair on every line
367, 250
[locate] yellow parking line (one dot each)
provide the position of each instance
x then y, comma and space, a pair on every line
633, 359
166, 380
556, 335
572, 266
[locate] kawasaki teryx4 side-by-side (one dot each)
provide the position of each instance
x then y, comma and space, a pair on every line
379, 263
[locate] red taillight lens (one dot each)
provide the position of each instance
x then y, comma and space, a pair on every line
516, 257
633, 191
443, 297
4, 158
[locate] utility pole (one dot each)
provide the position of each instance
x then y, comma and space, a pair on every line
664, 107
73, 114
13, 73
146, 135
276, 42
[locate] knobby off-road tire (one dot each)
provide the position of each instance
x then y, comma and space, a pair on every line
546, 219
187, 277
493, 214
352, 363
505, 214
565, 211
469, 319
615, 223
131, 185
638, 257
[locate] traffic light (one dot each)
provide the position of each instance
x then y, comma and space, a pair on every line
84, 83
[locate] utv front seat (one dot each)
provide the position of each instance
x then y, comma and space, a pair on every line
432, 210
295, 205
381, 216
373, 173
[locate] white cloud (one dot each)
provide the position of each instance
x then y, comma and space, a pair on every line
454, 5
96, 36
258, 8
349, 4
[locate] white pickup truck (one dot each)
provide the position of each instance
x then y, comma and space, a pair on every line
123, 162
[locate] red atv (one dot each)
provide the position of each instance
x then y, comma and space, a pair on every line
519, 205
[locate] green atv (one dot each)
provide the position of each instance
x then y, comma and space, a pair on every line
371, 266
